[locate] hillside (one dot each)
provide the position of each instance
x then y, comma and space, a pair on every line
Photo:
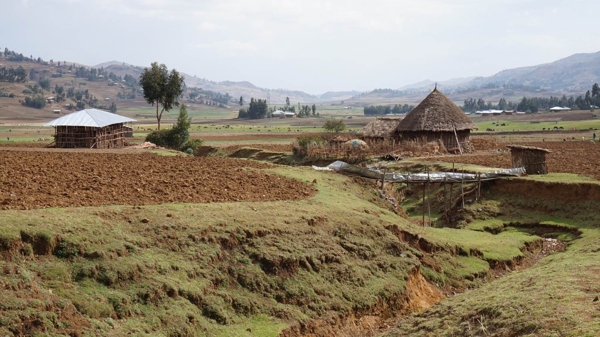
571, 76
67, 86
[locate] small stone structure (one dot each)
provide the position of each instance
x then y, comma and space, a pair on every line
532, 158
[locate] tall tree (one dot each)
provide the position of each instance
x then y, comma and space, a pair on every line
595, 90
241, 101
502, 104
314, 110
287, 101
161, 88
113, 108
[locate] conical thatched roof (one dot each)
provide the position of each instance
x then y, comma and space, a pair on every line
436, 113
380, 128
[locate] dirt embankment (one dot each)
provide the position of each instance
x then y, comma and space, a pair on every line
419, 296
547, 190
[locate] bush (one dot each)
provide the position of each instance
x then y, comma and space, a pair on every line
27, 92
176, 138
243, 113
193, 145
160, 137
334, 125
37, 102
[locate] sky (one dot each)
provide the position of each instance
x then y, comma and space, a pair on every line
310, 45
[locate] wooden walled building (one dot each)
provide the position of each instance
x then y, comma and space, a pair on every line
437, 119
90, 128
532, 158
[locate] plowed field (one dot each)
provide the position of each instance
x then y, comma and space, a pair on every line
38, 179
577, 157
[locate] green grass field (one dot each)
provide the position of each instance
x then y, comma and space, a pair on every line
528, 126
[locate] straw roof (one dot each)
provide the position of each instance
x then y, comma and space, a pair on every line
380, 128
338, 139
527, 148
436, 113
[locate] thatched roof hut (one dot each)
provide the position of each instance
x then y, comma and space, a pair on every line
380, 128
437, 118
532, 158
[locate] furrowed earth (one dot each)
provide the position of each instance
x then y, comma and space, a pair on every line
44, 179
573, 156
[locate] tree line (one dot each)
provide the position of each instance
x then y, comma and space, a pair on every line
387, 109
534, 104
12, 75
256, 110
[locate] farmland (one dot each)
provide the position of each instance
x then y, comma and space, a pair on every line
132, 241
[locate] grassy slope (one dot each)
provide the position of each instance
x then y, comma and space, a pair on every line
215, 269
552, 298
200, 270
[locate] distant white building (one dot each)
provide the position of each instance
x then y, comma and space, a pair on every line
490, 112
558, 108
282, 114
277, 113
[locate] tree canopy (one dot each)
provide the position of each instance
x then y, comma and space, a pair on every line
177, 137
334, 125
161, 88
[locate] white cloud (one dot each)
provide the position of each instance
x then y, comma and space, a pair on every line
318, 44
228, 47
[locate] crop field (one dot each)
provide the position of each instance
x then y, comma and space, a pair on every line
118, 242
575, 157
45, 179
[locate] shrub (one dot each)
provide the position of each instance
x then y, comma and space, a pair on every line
176, 138
193, 145
302, 144
37, 102
334, 125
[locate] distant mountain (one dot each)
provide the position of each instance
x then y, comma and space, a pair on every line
571, 76
428, 84
235, 89
338, 95
575, 73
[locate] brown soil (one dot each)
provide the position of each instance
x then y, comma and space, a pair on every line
419, 296
38, 179
577, 157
